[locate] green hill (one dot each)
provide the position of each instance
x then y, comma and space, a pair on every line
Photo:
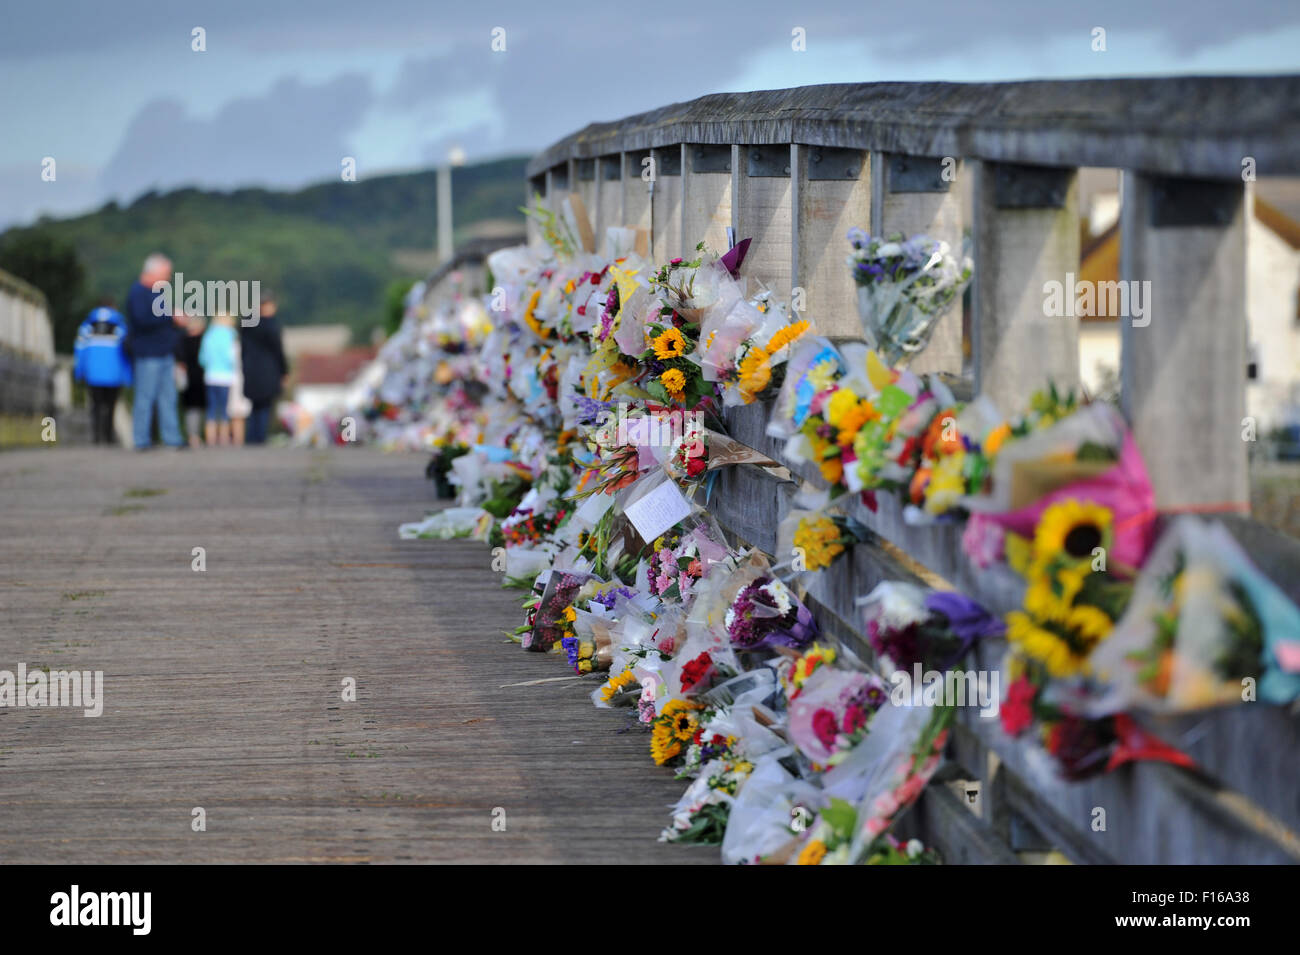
329, 250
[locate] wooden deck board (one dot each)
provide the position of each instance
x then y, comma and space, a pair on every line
222, 688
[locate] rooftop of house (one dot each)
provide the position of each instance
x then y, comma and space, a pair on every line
332, 369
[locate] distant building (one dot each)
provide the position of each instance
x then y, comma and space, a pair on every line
1272, 301
319, 381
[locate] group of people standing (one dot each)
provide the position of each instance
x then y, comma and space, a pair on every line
226, 377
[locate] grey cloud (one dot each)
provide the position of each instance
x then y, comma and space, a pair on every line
293, 134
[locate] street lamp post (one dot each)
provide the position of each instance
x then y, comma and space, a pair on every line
455, 157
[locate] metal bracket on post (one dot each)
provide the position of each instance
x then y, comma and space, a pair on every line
710, 158
770, 162
1030, 187
916, 174
1178, 203
668, 161
827, 162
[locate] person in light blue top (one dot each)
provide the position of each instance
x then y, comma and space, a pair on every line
217, 358
100, 360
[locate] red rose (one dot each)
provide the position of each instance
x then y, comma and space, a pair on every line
694, 466
696, 670
1018, 709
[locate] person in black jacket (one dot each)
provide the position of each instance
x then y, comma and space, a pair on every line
264, 367
194, 398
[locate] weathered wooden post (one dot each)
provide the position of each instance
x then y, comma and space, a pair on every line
636, 191
831, 194
706, 197
1183, 363
666, 198
761, 209
915, 194
609, 196
1026, 236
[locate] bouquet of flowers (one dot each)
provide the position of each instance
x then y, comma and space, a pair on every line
908, 625
1204, 628
765, 612
905, 285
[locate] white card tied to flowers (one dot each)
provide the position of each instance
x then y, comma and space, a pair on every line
905, 285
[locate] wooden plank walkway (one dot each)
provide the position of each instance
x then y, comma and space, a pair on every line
223, 688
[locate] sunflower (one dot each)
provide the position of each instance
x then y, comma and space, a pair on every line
531, 320
680, 719
812, 853
674, 381
755, 372
662, 745
1062, 645
786, 335
1073, 529
1050, 596
670, 344
674, 726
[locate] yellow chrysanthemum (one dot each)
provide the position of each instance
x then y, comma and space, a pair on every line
820, 541
812, 853
674, 381
786, 335
570, 614
853, 420
670, 344
841, 403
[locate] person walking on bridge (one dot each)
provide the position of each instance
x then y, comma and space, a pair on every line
100, 361
152, 334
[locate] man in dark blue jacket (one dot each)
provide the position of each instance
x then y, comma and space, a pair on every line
100, 361
152, 341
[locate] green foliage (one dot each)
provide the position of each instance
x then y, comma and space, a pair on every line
327, 250
49, 261
395, 303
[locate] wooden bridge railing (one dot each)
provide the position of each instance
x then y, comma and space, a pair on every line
795, 169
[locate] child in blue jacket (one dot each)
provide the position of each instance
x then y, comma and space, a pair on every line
217, 358
100, 360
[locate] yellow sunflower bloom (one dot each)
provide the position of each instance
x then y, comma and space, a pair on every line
674, 381
786, 335
1071, 528
670, 344
755, 372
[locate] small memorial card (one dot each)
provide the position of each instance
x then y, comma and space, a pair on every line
658, 510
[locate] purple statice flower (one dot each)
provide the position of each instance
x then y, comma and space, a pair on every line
608, 598
572, 650
589, 409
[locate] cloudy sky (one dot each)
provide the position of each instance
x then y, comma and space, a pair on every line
114, 92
